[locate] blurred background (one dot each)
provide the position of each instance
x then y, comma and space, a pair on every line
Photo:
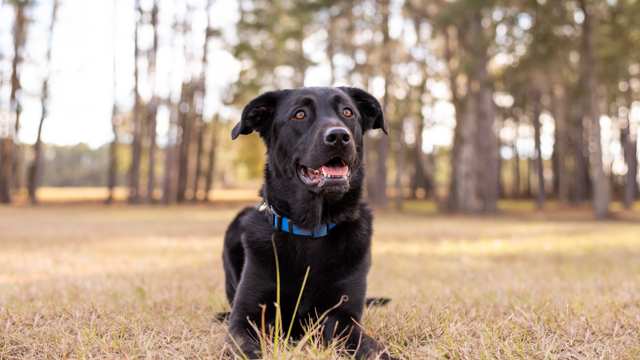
486, 100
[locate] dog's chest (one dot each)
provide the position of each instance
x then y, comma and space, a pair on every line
320, 255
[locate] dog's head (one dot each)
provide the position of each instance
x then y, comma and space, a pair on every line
314, 142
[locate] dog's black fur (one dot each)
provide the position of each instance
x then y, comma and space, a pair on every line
338, 262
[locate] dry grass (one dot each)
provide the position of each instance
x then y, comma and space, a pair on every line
87, 195
144, 282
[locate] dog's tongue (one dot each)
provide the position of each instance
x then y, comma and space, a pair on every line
340, 170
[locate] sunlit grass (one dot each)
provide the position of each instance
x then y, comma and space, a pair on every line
145, 282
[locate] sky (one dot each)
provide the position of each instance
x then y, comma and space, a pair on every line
88, 34
82, 76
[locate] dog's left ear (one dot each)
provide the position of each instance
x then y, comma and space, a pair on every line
258, 114
368, 107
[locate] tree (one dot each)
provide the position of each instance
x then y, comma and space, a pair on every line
35, 168
378, 193
474, 183
591, 114
136, 145
629, 142
211, 163
9, 150
152, 111
19, 40
112, 175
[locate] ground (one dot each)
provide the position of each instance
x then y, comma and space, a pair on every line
89, 281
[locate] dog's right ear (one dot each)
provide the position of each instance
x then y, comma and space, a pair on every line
258, 114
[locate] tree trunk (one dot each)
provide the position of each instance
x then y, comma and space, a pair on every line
591, 118
151, 171
185, 122
581, 188
15, 97
420, 178
153, 108
211, 160
199, 130
629, 142
136, 145
112, 173
199, 124
487, 142
378, 195
501, 189
516, 192
399, 199
528, 190
561, 171
536, 98
169, 183
477, 173
6, 167
452, 199
112, 170
35, 168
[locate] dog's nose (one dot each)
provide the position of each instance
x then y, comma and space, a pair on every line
337, 136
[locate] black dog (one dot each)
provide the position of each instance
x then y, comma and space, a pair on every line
312, 212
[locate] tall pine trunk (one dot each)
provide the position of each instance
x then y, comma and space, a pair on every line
136, 145
153, 108
477, 172
561, 171
378, 195
628, 139
15, 97
34, 172
35, 168
112, 169
420, 177
151, 171
536, 98
199, 133
211, 159
591, 118
184, 143
170, 152
516, 192
456, 99
6, 167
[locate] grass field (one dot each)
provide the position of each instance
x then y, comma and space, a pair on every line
144, 282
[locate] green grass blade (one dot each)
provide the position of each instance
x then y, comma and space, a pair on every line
278, 321
295, 310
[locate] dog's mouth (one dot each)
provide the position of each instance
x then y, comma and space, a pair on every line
334, 172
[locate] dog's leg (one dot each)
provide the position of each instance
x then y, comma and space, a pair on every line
341, 325
233, 256
256, 287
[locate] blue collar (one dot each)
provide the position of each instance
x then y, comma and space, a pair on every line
284, 224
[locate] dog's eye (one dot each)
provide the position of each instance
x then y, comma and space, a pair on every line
346, 112
299, 115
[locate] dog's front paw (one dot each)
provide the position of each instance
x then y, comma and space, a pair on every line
385, 356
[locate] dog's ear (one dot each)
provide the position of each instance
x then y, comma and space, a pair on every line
368, 107
258, 114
